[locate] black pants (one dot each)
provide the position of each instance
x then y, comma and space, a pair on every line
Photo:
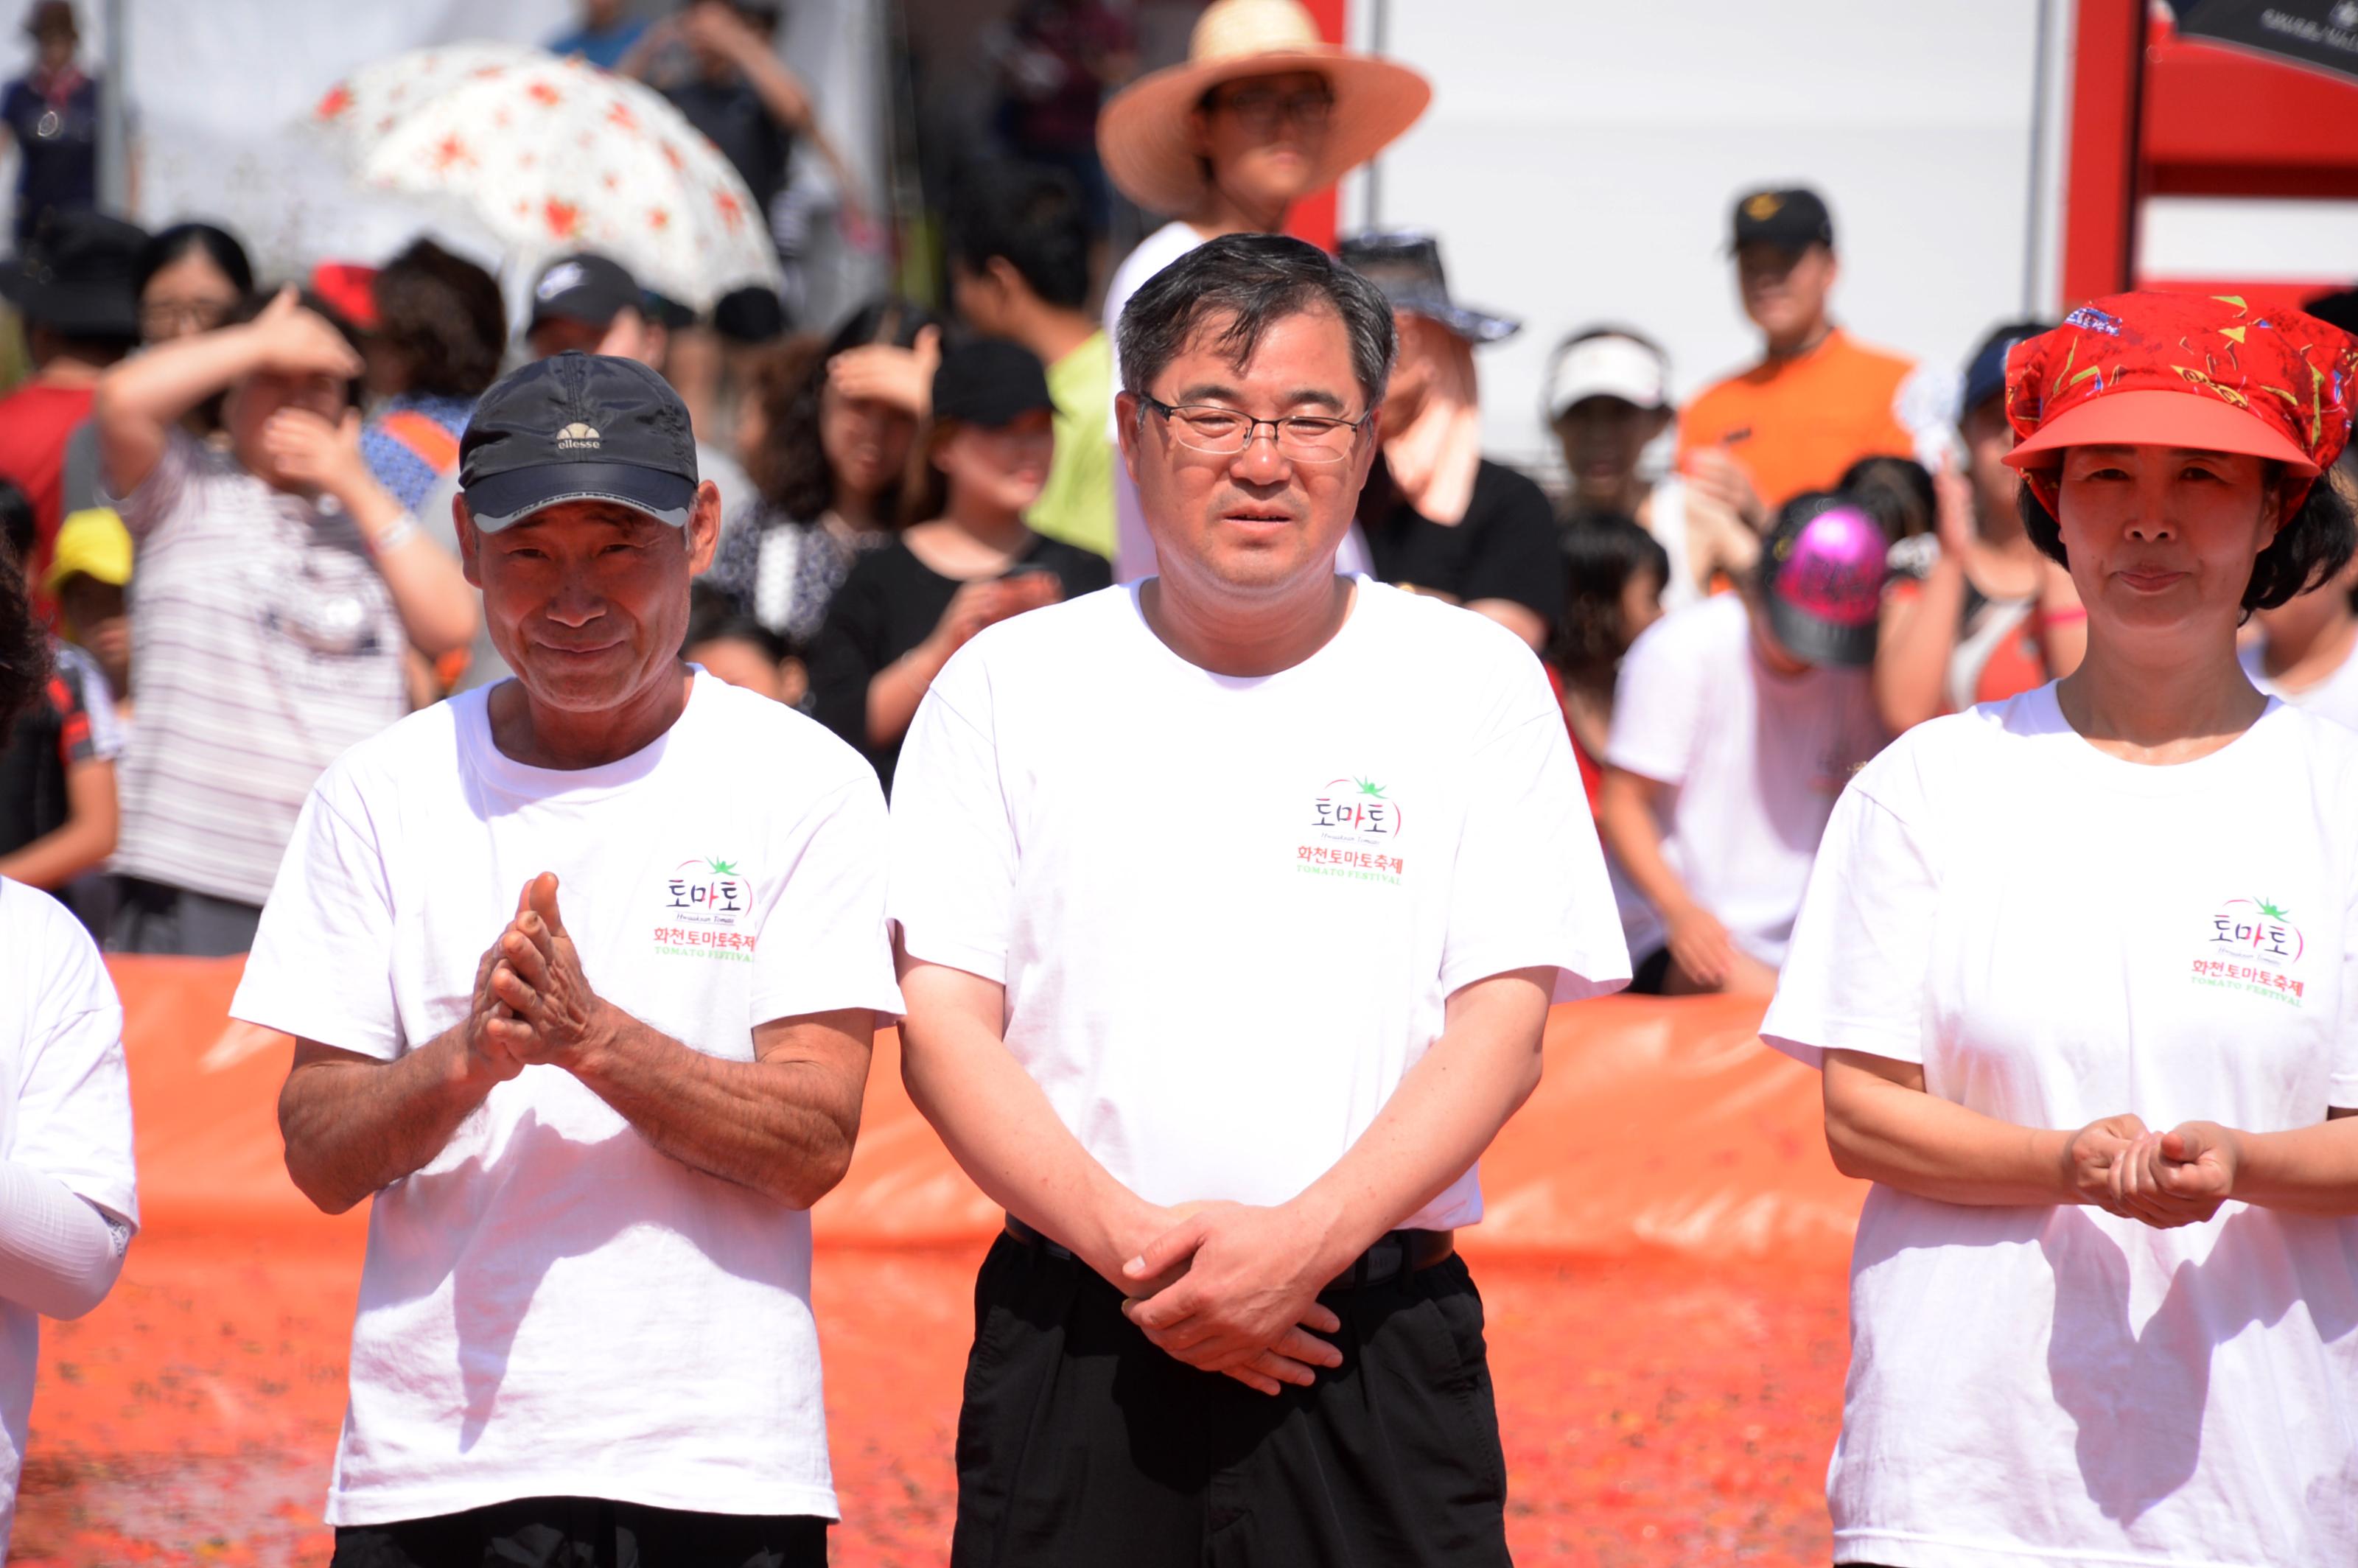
584, 1532
1081, 1444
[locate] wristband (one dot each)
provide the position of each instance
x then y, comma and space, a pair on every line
394, 534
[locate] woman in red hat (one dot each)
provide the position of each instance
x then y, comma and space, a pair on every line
2081, 969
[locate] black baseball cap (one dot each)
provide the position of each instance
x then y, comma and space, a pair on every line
989, 382
584, 286
1985, 371
1792, 220
578, 426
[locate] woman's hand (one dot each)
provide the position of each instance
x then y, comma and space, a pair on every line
2093, 1158
2179, 1177
1699, 946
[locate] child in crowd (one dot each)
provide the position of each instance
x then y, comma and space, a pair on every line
971, 561
739, 649
89, 580
2307, 649
1736, 724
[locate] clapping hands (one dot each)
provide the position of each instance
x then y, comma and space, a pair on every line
543, 1009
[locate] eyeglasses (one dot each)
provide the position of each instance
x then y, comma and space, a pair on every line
1260, 110
158, 319
1224, 432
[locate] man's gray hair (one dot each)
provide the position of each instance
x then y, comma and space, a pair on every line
1253, 281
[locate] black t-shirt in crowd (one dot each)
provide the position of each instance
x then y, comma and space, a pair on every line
733, 117
49, 739
889, 603
1504, 548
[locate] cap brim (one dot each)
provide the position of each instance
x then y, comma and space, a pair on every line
2194, 421
497, 500
1142, 131
1817, 641
1474, 326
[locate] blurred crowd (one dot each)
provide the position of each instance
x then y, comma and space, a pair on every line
232, 495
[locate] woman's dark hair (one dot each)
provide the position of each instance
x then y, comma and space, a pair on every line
19, 528
717, 615
1895, 492
1031, 217
219, 245
442, 314
2315, 543
1255, 281
24, 646
254, 303
791, 470
1602, 552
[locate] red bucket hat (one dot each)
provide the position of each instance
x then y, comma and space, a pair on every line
2206, 372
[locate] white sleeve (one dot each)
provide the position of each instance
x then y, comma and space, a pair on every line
1854, 977
2342, 1092
59, 1254
97, 704
72, 1123
822, 946
321, 966
1529, 888
953, 839
153, 497
1656, 703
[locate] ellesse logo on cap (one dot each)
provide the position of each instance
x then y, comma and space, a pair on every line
577, 437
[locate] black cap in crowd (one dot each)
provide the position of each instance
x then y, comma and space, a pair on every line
584, 286
989, 382
1792, 220
79, 275
751, 315
578, 426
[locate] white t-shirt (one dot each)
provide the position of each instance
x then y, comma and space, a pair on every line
65, 1111
550, 1306
1755, 759
2058, 935
1666, 520
2334, 698
1216, 881
1133, 555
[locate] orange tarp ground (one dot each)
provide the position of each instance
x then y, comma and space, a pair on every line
1662, 1261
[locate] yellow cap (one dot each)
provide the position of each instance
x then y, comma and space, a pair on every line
94, 543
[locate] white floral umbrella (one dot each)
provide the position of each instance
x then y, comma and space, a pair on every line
553, 155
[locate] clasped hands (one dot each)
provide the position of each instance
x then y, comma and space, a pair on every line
532, 1005
2163, 1179
1233, 1288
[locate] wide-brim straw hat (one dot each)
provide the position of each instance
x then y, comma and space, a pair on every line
1144, 130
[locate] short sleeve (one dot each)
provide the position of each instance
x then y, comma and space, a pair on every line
101, 727
1517, 558
73, 1105
153, 498
1658, 702
1853, 978
822, 945
2342, 1091
1529, 888
953, 836
321, 966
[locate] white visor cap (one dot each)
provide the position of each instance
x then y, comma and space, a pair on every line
1607, 366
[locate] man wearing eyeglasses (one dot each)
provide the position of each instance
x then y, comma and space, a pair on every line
1222, 990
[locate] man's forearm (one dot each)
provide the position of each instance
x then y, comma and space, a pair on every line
1444, 1114
354, 1127
742, 1121
999, 1126
1625, 820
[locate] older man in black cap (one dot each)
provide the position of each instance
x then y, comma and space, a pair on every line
585, 1329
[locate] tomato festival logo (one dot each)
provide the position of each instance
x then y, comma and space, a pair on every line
703, 902
1358, 827
2252, 947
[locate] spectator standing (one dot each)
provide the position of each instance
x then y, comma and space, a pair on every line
1018, 248
1439, 517
69, 1200
439, 334
1056, 59
58, 810
604, 34
1225, 1326
278, 586
1262, 112
2307, 650
828, 460
1990, 616
1736, 725
590, 1134
192, 278
52, 117
74, 284
1819, 400
2086, 1025
90, 577
968, 562
1608, 402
